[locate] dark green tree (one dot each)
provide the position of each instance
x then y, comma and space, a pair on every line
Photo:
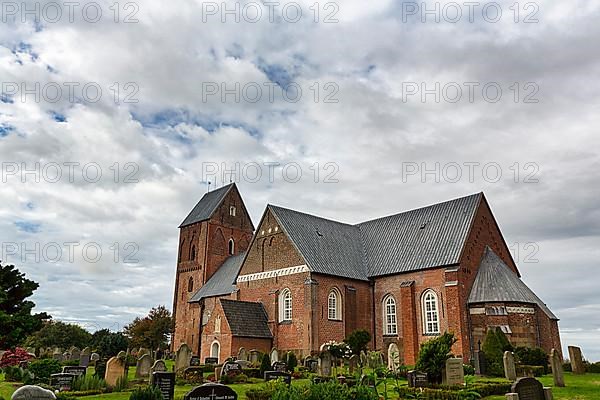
98, 336
151, 331
265, 364
358, 341
111, 344
60, 334
16, 319
433, 355
494, 346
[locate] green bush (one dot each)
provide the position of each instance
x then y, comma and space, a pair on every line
358, 341
433, 355
265, 365
13, 374
532, 356
468, 369
528, 370
42, 369
593, 368
100, 369
146, 393
494, 346
252, 372
291, 361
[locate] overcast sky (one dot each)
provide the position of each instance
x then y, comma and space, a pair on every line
381, 107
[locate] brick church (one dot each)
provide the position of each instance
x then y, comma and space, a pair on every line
299, 280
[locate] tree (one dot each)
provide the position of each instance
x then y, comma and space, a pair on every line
433, 355
16, 320
151, 331
111, 343
59, 334
494, 346
358, 341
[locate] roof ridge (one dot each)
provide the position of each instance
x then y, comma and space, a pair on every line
220, 193
311, 215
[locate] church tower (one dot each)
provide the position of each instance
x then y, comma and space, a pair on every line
218, 227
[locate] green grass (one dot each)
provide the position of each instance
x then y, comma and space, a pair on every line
579, 387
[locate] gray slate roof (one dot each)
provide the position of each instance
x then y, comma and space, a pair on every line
423, 238
207, 205
246, 319
496, 282
223, 280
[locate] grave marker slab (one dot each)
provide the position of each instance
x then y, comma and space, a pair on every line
84, 357
353, 363
325, 364
182, 359
510, 371
254, 355
393, 357
194, 361
211, 360
528, 389
417, 379
31, 392
165, 382
454, 373
143, 365
576, 360
79, 371
558, 374
211, 391
115, 369
231, 368
274, 356
279, 366
275, 375
62, 382
242, 354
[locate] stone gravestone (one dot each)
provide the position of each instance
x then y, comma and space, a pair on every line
242, 354
393, 357
325, 364
115, 369
231, 368
66, 356
417, 379
165, 382
311, 364
143, 365
480, 363
510, 371
353, 363
194, 361
30, 392
275, 375
84, 357
158, 366
211, 360
528, 389
211, 391
558, 374
454, 373
576, 360
95, 357
279, 366
62, 382
254, 356
79, 371
75, 353
274, 356
182, 359
57, 355
363, 358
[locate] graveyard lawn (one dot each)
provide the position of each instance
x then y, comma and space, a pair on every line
579, 387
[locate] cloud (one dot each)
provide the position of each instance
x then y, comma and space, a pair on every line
169, 106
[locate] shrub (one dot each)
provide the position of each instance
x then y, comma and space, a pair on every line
528, 370
100, 369
532, 356
468, 369
241, 378
42, 369
252, 372
593, 368
121, 384
265, 364
146, 393
11, 358
291, 361
494, 346
358, 341
13, 374
433, 355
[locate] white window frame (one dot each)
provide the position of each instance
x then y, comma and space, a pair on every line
231, 247
430, 308
334, 303
285, 305
390, 316
232, 211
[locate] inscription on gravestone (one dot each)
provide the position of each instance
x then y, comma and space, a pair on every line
231, 368
194, 361
62, 382
165, 382
211, 360
274, 375
454, 372
417, 379
211, 391
79, 371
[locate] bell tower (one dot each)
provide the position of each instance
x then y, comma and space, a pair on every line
218, 227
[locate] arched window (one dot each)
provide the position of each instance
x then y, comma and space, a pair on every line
285, 305
390, 324
215, 349
190, 284
181, 251
334, 304
431, 316
193, 253
231, 247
